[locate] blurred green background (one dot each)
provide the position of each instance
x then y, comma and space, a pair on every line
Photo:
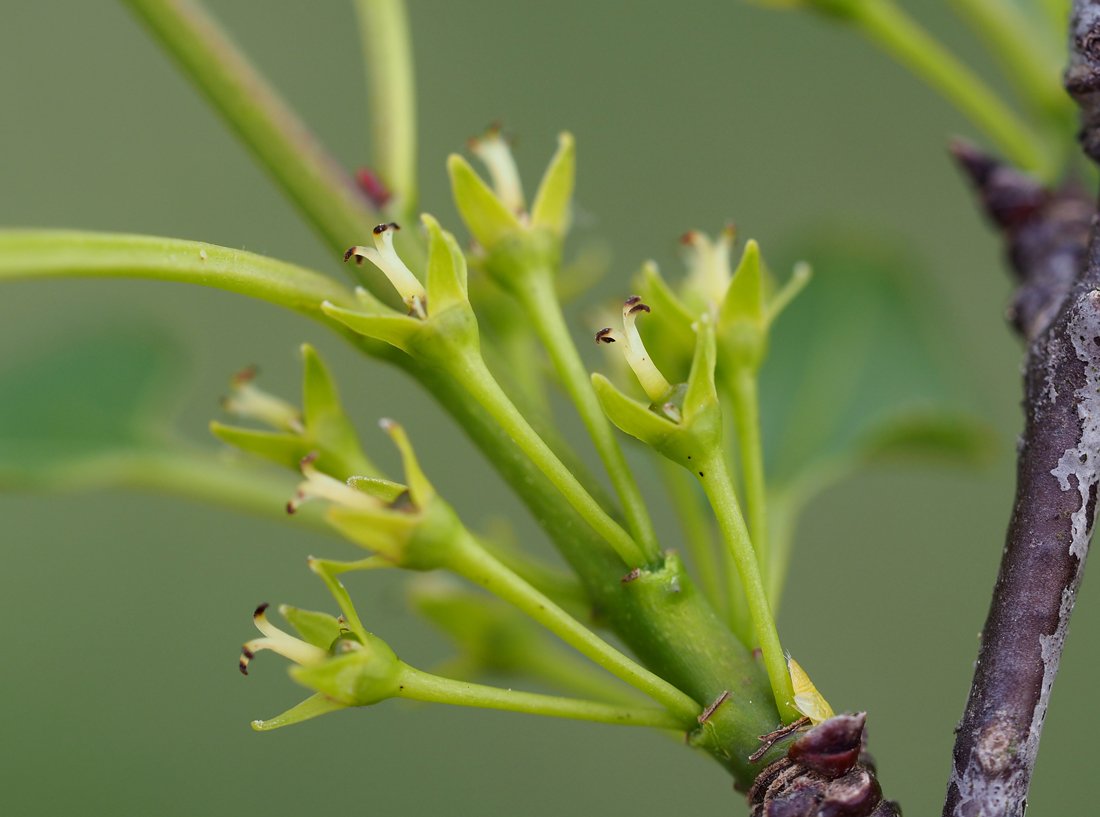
123, 613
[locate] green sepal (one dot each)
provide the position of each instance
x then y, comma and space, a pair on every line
320, 401
413, 538
745, 295
279, 447
632, 416
326, 423
319, 629
396, 330
701, 398
419, 487
311, 707
362, 675
385, 490
384, 531
742, 319
368, 302
446, 277
800, 278
486, 217
551, 210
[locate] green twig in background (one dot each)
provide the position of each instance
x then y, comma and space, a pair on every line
384, 30
888, 25
1031, 63
268, 127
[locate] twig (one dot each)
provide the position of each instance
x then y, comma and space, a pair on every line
1057, 310
1045, 235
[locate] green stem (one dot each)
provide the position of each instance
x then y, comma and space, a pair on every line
696, 528
539, 300
784, 509
746, 418
471, 372
180, 470
718, 484
208, 476
421, 686
514, 356
1030, 61
264, 122
562, 587
477, 565
786, 506
387, 48
576, 676
888, 25
66, 254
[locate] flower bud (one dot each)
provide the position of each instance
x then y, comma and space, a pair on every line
343, 668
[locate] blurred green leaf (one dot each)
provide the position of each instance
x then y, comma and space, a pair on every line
84, 401
859, 370
943, 437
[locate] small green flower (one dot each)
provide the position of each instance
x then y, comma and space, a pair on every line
440, 323
683, 422
743, 302
407, 526
513, 238
321, 428
344, 668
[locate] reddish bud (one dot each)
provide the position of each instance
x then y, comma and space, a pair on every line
373, 187
854, 795
831, 748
